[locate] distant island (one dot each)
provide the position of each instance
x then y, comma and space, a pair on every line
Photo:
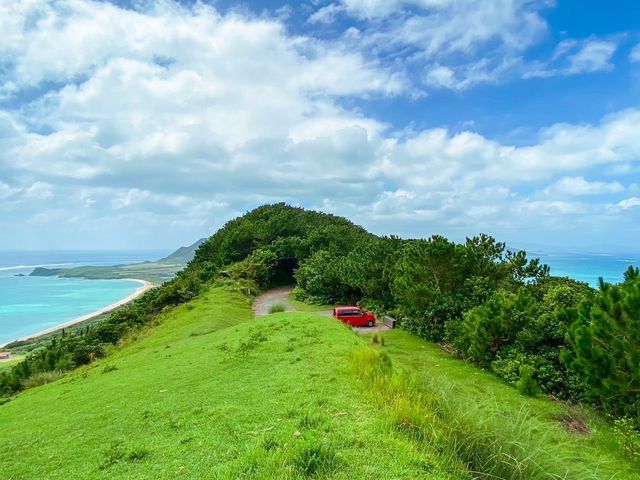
156, 272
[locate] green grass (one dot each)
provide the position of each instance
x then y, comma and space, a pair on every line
212, 393
477, 411
307, 307
209, 392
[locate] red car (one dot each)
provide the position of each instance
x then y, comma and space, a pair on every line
354, 316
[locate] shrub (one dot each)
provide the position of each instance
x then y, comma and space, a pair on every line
42, 378
627, 432
527, 384
277, 307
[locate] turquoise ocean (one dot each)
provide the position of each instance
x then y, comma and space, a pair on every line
32, 304
588, 268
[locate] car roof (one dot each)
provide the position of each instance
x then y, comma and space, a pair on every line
346, 308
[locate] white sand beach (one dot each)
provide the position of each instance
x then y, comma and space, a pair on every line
139, 291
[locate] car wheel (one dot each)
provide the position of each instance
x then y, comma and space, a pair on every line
370, 323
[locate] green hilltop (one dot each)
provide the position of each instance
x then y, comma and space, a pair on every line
498, 371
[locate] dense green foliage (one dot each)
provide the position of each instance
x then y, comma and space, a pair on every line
605, 345
490, 305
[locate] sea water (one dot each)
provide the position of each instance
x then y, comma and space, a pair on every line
589, 268
31, 304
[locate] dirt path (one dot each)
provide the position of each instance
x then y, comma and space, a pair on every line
277, 295
281, 295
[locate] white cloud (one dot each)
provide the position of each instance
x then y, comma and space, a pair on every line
593, 56
629, 203
578, 186
6, 191
369, 9
468, 75
462, 42
39, 191
440, 76
634, 56
440, 27
326, 14
184, 118
575, 57
98, 33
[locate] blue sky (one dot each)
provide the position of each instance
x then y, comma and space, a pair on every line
148, 124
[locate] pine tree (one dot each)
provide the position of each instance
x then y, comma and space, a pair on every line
605, 345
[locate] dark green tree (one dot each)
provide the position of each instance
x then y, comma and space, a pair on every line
604, 340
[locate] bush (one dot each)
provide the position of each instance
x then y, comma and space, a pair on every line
526, 384
42, 378
277, 307
627, 432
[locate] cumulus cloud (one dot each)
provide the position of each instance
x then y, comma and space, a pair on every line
173, 119
441, 76
466, 43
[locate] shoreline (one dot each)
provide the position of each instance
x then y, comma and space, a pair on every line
146, 286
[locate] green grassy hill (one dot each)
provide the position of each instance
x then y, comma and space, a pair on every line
211, 392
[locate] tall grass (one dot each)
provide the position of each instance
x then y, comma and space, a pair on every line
42, 378
488, 444
277, 307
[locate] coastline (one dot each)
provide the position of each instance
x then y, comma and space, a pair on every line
139, 291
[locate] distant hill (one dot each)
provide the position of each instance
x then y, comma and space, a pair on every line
183, 255
157, 272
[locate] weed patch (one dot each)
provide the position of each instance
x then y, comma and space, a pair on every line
628, 437
119, 453
277, 308
314, 458
573, 423
254, 339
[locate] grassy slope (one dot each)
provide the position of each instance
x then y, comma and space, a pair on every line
477, 398
211, 393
